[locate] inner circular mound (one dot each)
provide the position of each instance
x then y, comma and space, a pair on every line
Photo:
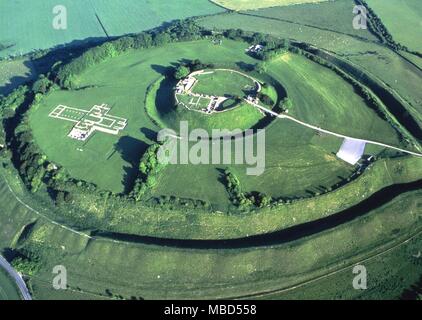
208, 99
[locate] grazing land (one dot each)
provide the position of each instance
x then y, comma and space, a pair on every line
329, 27
82, 184
14, 73
126, 99
402, 19
145, 271
8, 290
32, 29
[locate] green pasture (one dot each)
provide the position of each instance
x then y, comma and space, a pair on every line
28, 26
403, 19
223, 83
251, 4
334, 16
193, 103
320, 97
14, 73
147, 271
329, 27
108, 83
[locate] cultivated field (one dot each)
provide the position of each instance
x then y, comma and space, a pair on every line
30, 27
335, 16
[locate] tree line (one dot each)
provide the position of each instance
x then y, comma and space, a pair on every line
241, 200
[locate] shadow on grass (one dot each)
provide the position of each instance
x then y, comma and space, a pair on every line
131, 151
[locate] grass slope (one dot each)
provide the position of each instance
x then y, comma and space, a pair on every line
403, 19
159, 272
14, 73
127, 99
252, 4
329, 27
8, 290
311, 88
221, 83
29, 24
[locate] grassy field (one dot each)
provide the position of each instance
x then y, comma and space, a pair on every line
222, 83
297, 163
32, 29
313, 101
147, 271
333, 16
97, 266
243, 116
403, 19
127, 100
304, 20
329, 27
251, 4
311, 87
8, 290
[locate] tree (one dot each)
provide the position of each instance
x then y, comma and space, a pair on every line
142, 40
41, 85
162, 38
265, 99
261, 67
287, 103
258, 38
181, 72
235, 34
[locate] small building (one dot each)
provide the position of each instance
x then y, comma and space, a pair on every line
255, 48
